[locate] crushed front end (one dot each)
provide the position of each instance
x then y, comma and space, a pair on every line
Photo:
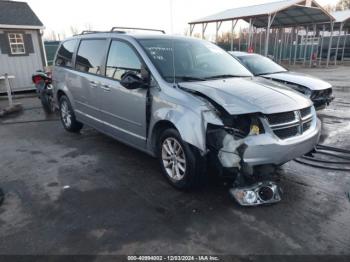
322, 98
252, 145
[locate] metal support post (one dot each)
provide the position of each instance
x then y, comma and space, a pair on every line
312, 44
338, 41
330, 44
291, 45
296, 44
239, 39
249, 34
233, 25
204, 27
321, 49
218, 25
260, 35
344, 44
305, 42
269, 23
8, 89
191, 29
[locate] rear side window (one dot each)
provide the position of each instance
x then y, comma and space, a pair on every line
121, 59
90, 56
65, 53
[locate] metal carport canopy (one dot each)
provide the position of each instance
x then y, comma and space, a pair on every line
286, 14
342, 17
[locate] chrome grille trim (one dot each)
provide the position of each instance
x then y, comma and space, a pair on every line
284, 130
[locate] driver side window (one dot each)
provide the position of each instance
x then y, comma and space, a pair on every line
121, 59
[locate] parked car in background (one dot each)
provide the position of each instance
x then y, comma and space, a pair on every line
319, 91
182, 100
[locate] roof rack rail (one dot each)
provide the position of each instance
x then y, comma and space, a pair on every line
86, 32
136, 28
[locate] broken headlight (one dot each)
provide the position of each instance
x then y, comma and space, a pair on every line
244, 125
227, 143
257, 194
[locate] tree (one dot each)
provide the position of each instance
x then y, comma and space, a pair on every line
343, 5
329, 8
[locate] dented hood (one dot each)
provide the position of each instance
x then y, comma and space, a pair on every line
300, 79
249, 95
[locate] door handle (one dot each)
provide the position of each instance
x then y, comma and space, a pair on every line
106, 87
94, 83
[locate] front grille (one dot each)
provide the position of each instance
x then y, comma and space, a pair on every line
306, 126
286, 132
290, 124
305, 112
280, 118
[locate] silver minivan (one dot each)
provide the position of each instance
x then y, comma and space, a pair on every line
183, 100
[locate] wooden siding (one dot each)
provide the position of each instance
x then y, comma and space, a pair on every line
22, 67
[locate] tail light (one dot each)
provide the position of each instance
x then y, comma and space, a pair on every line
37, 79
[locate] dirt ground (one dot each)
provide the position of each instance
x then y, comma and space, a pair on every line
88, 194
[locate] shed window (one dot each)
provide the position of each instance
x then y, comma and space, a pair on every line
16, 43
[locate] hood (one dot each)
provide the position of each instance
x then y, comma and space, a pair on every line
249, 95
308, 81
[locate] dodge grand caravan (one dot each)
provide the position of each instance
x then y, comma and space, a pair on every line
183, 100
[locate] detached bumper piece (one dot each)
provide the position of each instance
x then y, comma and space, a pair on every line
261, 193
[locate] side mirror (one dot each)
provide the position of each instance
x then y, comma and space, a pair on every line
131, 80
145, 75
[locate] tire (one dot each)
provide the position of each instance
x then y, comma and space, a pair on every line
67, 116
183, 170
47, 102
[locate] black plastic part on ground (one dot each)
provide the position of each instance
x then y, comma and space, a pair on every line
329, 151
2, 196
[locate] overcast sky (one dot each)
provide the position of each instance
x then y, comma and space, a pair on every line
60, 15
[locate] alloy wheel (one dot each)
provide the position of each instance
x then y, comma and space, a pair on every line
173, 158
66, 114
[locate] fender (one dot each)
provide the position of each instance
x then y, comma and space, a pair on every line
60, 86
190, 124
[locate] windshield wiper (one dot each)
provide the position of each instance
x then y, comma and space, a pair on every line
271, 73
187, 78
223, 76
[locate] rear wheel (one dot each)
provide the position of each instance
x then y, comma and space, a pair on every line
67, 116
181, 164
47, 101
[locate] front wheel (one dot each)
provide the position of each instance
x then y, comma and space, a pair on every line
68, 117
182, 165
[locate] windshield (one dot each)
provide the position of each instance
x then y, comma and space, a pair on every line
261, 65
192, 60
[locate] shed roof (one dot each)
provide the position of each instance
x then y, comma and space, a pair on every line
18, 15
288, 13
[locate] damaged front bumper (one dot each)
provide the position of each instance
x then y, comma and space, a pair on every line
267, 148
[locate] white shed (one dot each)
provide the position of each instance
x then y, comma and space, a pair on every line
21, 46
